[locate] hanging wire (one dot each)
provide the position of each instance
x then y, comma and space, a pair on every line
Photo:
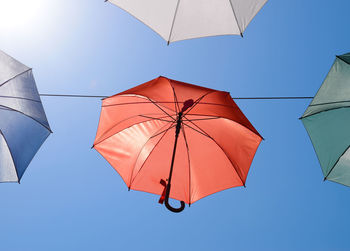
272, 98
71, 95
242, 98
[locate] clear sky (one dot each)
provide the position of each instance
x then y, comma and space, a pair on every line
71, 199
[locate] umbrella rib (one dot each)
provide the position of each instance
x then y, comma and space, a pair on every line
121, 130
172, 25
338, 57
189, 166
19, 74
136, 103
143, 164
203, 119
13, 161
173, 125
206, 103
161, 119
330, 109
336, 163
161, 109
218, 117
197, 102
234, 14
231, 161
132, 172
330, 103
203, 133
177, 107
28, 117
21, 98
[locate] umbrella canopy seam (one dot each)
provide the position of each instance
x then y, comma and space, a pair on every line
342, 59
330, 109
234, 14
336, 163
235, 166
11, 109
13, 161
17, 75
143, 164
38, 101
173, 22
218, 117
139, 123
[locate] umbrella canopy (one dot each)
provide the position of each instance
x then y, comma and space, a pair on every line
166, 132
23, 124
327, 121
176, 20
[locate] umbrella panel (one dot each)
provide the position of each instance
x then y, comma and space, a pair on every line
21, 138
330, 136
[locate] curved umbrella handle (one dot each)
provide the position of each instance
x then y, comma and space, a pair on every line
168, 206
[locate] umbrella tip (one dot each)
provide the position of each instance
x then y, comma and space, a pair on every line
168, 43
128, 188
325, 178
241, 34
92, 146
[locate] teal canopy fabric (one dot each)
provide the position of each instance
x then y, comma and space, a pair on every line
23, 124
327, 121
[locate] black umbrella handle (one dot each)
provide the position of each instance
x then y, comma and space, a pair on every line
168, 206
187, 104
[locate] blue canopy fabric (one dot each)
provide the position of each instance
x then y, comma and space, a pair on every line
23, 124
327, 121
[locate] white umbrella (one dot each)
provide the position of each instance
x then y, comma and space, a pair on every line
23, 124
176, 20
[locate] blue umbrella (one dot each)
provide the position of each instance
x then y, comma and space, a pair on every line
327, 121
23, 124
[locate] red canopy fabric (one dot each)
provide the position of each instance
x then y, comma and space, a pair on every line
215, 147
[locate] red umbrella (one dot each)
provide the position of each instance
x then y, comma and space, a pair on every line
177, 140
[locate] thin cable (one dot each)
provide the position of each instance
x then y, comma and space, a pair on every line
97, 96
273, 97
71, 95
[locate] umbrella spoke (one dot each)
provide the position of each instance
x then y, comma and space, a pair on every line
176, 102
11, 109
231, 161
160, 118
209, 118
199, 131
172, 126
143, 164
11, 155
197, 101
21, 98
19, 74
123, 129
330, 103
161, 109
137, 103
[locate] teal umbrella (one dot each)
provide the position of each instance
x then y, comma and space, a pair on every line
327, 121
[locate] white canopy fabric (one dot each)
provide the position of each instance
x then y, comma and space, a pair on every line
176, 20
23, 124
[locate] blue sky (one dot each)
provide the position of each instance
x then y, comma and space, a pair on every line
71, 199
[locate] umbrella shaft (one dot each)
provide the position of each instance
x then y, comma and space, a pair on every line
178, 127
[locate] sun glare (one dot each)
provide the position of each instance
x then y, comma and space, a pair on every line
17, 14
